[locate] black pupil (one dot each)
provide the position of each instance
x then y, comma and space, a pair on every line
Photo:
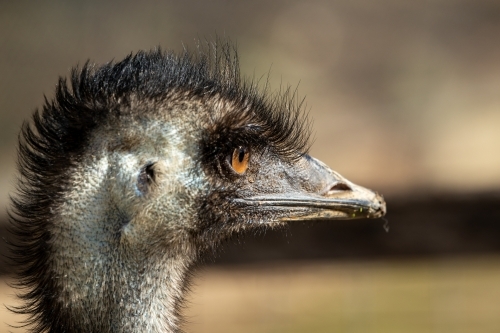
241, 155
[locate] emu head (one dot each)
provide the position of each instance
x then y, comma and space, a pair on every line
139, 167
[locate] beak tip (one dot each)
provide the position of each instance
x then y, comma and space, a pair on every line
380, 206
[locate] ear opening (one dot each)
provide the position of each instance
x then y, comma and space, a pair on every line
146, 178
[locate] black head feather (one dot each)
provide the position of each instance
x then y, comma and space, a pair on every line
58, 135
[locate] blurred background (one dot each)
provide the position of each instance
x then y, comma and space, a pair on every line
405, 97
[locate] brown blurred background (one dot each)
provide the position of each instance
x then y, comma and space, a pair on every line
405, 98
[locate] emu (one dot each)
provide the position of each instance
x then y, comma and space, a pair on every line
138, 169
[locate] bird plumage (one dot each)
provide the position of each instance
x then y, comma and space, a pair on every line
126, 182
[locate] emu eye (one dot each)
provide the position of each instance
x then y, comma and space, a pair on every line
239, 160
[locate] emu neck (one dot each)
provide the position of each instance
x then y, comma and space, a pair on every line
136, 299
108, 278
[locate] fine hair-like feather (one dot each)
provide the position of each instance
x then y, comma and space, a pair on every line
56, 139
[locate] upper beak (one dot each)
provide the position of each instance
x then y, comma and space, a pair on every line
323, 195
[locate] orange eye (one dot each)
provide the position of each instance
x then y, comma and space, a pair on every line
239, 160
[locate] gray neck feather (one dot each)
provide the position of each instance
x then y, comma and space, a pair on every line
110, 278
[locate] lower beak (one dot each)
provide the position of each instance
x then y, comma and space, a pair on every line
356, 203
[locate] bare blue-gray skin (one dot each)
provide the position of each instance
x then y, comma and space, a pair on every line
138, 169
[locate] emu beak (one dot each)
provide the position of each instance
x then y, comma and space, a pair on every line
343, 201
321, 194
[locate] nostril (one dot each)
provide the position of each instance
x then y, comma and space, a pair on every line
340, 187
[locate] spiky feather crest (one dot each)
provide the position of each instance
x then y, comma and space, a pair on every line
55, 140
